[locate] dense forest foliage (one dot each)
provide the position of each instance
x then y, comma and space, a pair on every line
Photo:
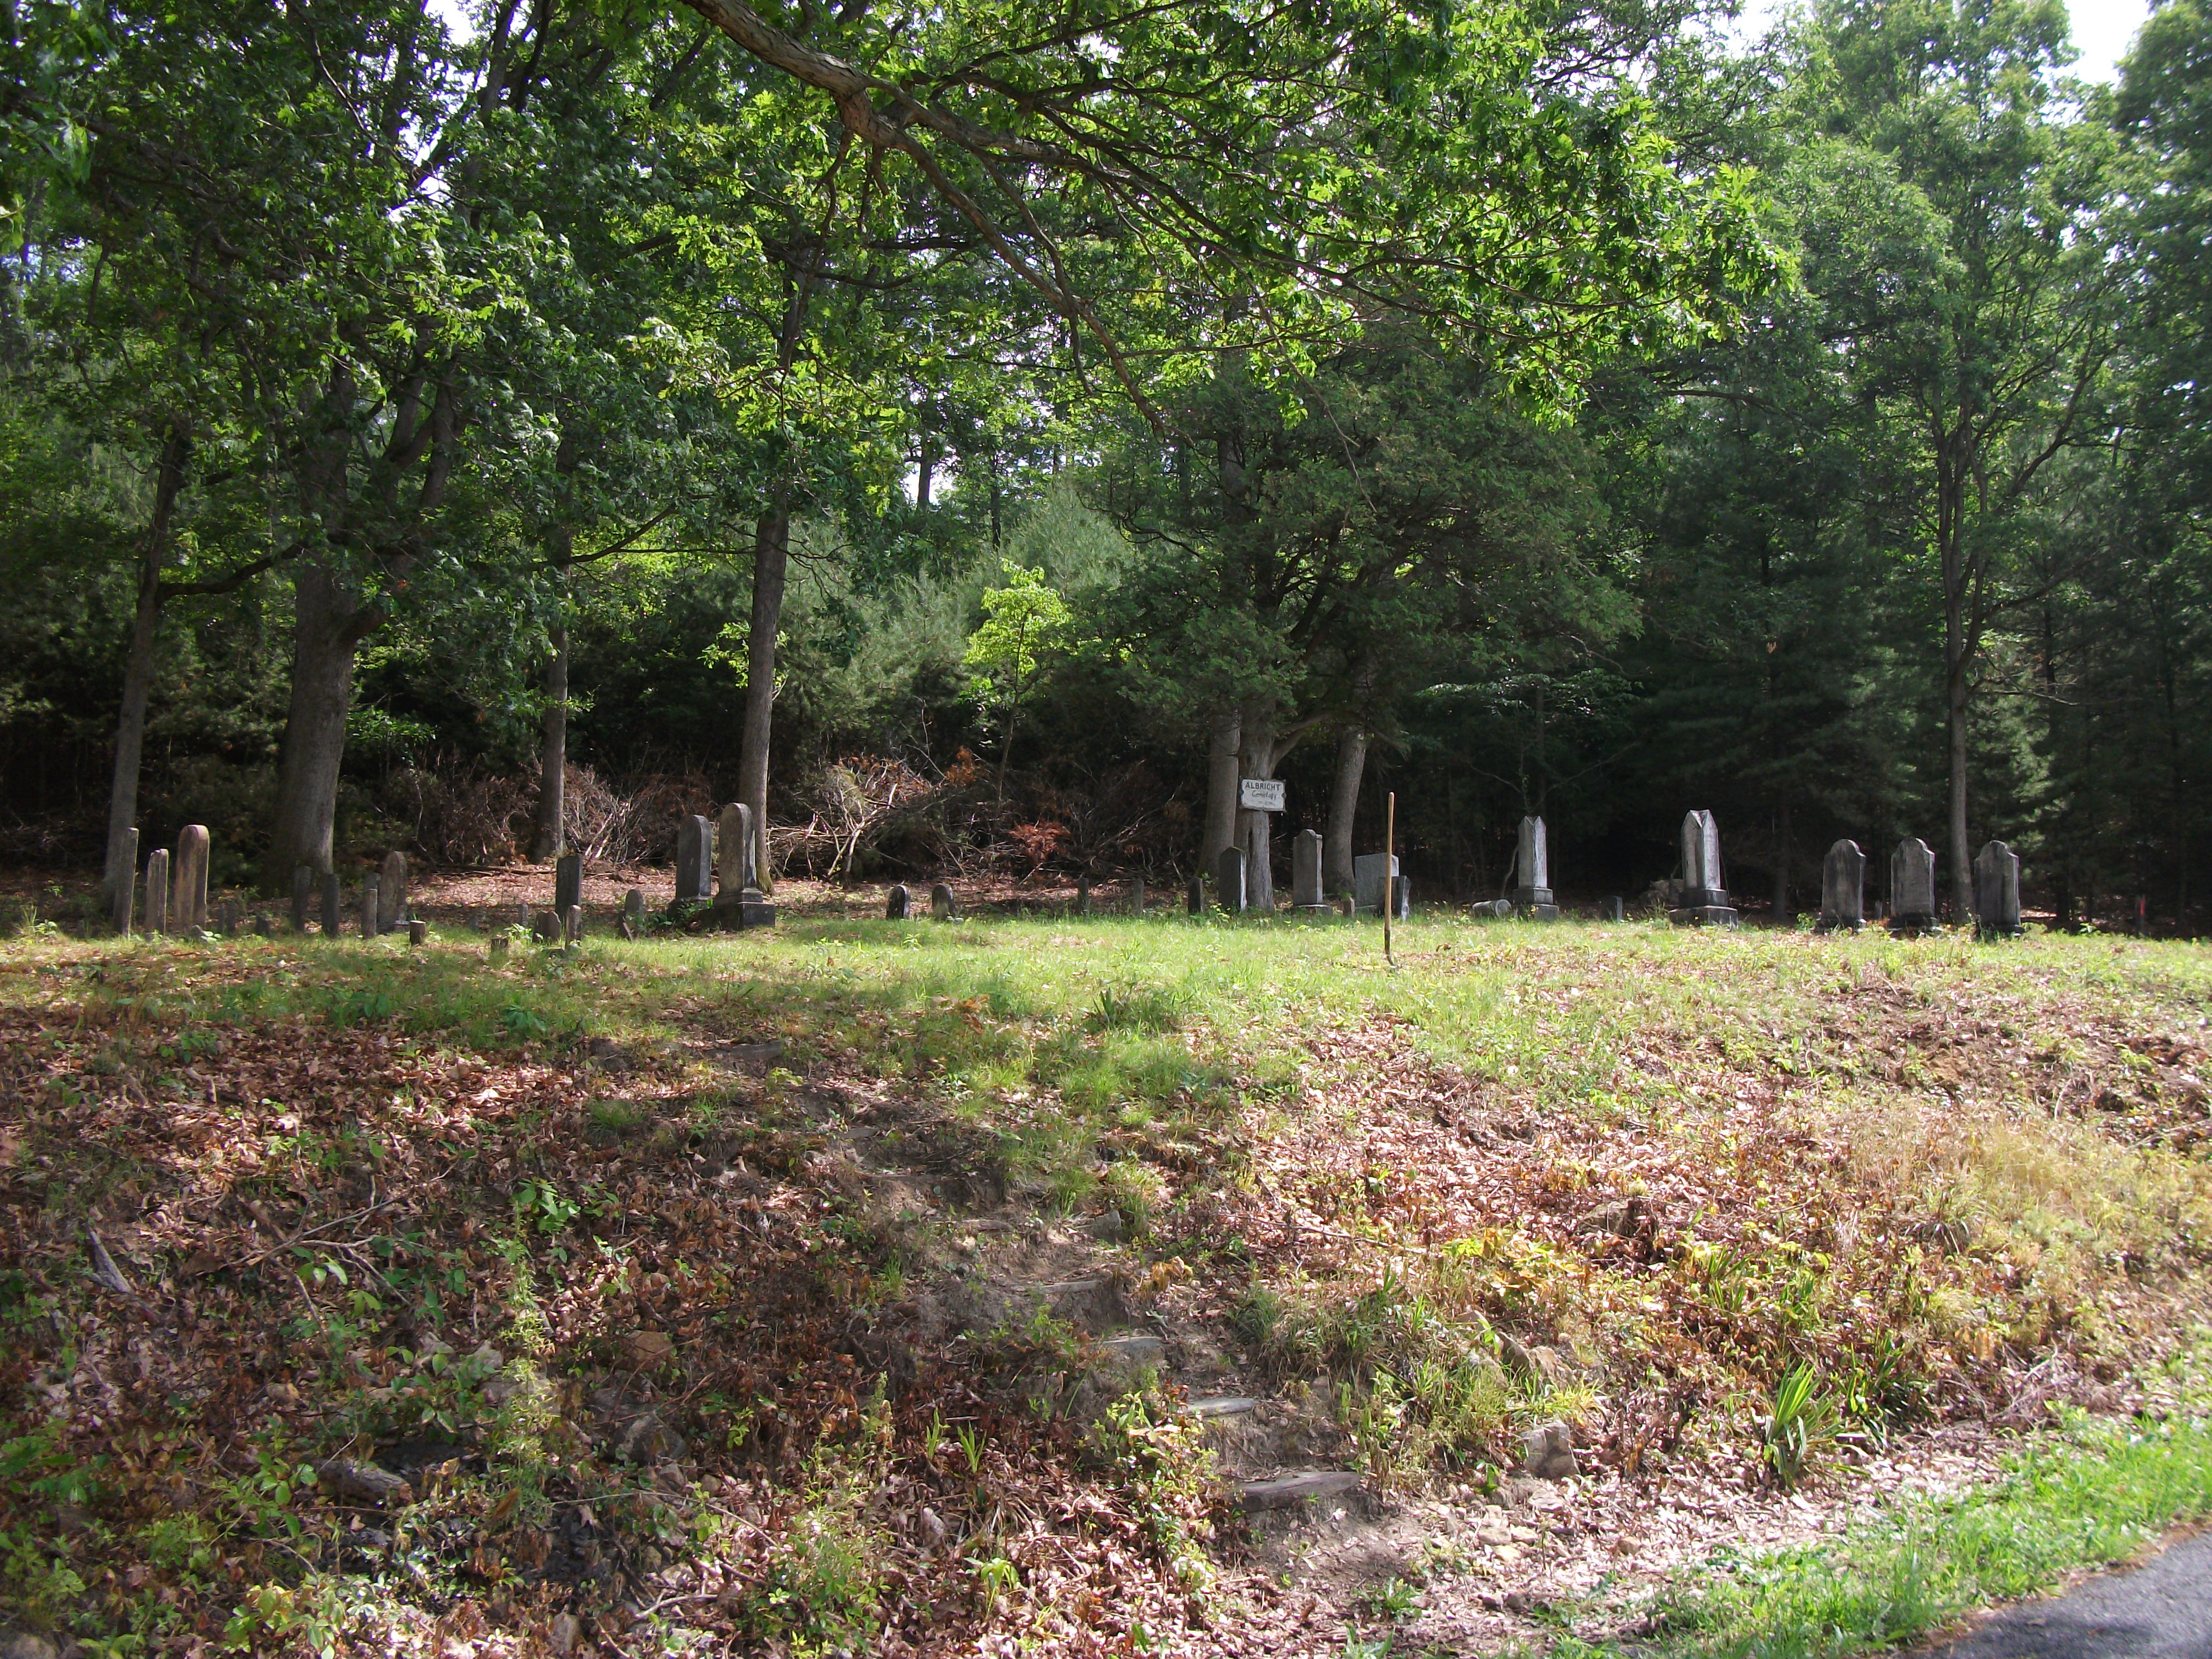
982, 436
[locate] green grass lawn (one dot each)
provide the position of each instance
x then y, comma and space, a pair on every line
1702, 1195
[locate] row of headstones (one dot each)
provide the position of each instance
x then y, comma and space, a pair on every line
176, 886
1912, 888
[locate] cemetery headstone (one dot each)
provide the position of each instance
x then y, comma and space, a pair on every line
1494, 910
1194, 896
1306, 896
694, 840
898, 903
1083, 896
1368, 878
633, 909
228, 915
1996, 891
121, 900
157, 890
546, 929
418, 931
1609, 909
942, 904
572, 923
1842, 888
262, 927
567, 881
391, 893
371, 911
303, 895
1532, 863
1401, 899
1704, 889
1228, 879
1912, 887
740, 903
332, 902
1137, 898
735, 853
188, 910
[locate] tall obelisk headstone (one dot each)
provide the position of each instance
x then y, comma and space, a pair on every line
740, 903
695, 873
391, 893
1228, 879
1532, 863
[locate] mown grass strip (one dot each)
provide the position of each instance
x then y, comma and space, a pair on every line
2092, 1498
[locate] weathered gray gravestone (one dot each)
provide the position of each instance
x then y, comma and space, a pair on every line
1401, 899
188, 910
740, 903
333, 902
735, 853
1610, 909
1532, 865
694, 839
391, 893
1194, 896
157, 890
942, 904
261, 927
631, 923
898, 904
372, 912
1912, 887
1083, 896
1306, 896
1842, 888
1996, 891
546, 930
1368, 880
1228, 879
1704, 889
567, 881
228, 915
418, 931
572, 923
120, 899
303, 895
1137, 898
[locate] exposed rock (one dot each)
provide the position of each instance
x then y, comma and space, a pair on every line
1518, 1361
1137, 1348
648, 1349
1630, 1218
363, 1482
23, 1644
564, 1633
1547, 1452
1223, 1405
1288, 1491
646, 1439
1108, 1229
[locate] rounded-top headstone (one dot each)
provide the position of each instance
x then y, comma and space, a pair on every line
897, 903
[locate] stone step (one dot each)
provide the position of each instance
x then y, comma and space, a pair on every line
1289, 1491
1090, 1304
1223, 1405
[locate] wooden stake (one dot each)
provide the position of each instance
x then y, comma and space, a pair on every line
1390, 871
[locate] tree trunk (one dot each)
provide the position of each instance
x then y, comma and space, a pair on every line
1221, 787
138, 673
1256, 759
1343, 810
553, 759
1962, 866
1007, 747
1784, 912
326, 633
771, 557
